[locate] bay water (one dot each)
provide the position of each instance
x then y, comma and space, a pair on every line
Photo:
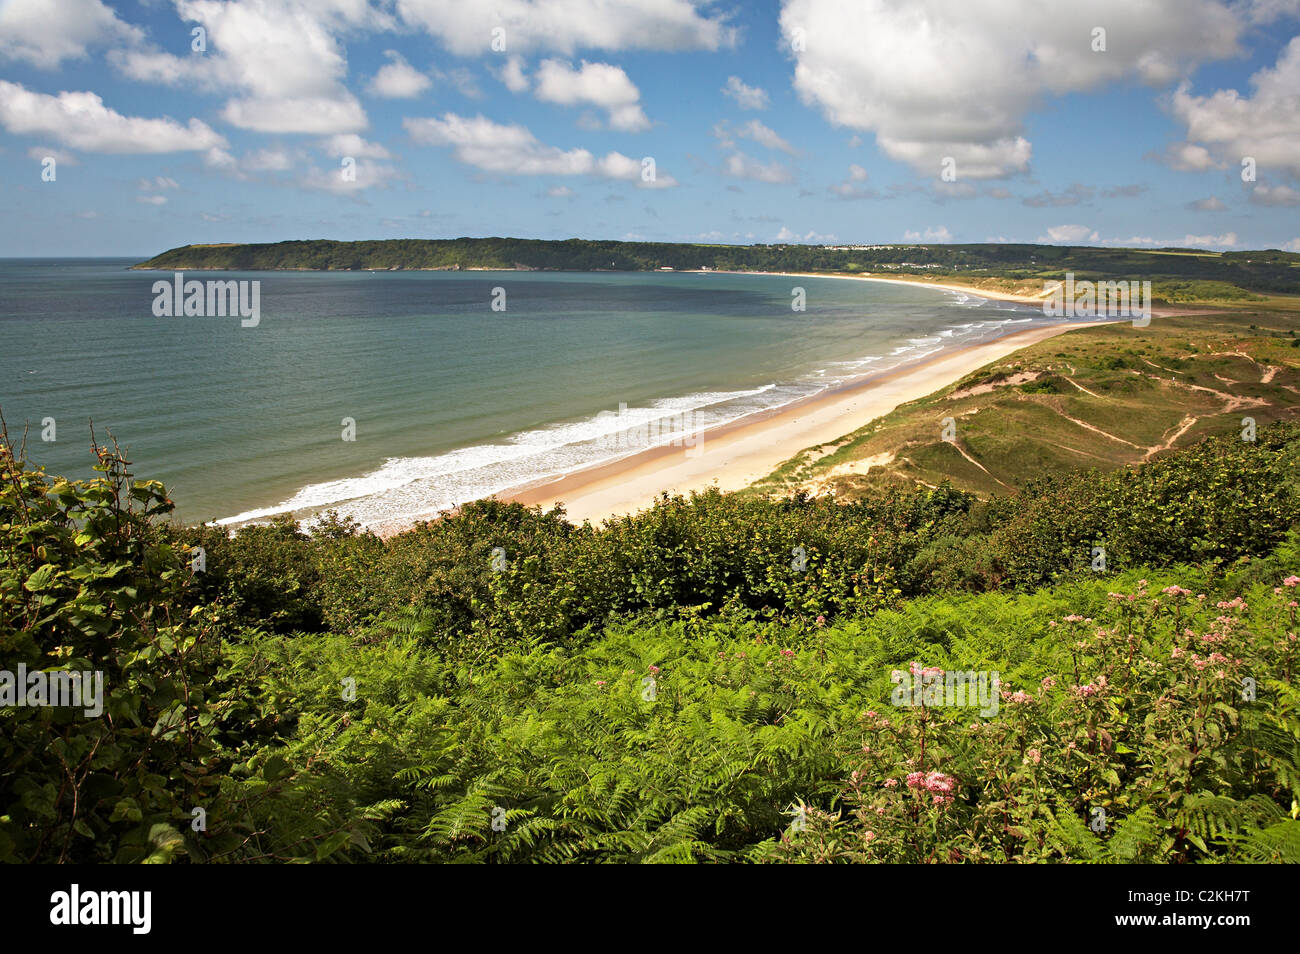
451, 400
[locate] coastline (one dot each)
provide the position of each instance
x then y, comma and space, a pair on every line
917, 281
734, 455
867, 277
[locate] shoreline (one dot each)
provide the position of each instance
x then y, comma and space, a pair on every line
918, 282
734, 455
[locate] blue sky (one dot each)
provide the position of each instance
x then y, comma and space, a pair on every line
822, 121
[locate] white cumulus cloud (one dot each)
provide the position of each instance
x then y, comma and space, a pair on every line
597, 84
81, 121
935, 79
398, 79
746, 97
566, 26
47, 32
514, 150
740, 166
1264, 126
1069, 235
937, 235
284, 61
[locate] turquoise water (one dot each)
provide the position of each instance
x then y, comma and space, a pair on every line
451, 400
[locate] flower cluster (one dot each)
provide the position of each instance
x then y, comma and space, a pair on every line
937, 783
1089, 689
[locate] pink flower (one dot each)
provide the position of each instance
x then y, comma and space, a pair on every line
891, 783
1048, 682
869, 835
937, 782
788, 653
600, 682
821, 620
1033, 755
654, 670
1176, 590
1291, 581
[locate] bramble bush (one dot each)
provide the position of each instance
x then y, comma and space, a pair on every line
91, 580
89, 583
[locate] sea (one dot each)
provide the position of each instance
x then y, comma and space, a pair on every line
392, 396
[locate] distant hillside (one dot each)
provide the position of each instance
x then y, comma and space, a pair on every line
1179, 274
1102, 398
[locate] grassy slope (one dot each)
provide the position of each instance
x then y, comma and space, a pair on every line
1100, 397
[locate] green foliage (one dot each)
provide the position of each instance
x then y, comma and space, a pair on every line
699, 740
89, 584
710, 680
1213, 502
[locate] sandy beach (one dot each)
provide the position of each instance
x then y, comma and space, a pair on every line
738, 454
735, 455
914, 282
